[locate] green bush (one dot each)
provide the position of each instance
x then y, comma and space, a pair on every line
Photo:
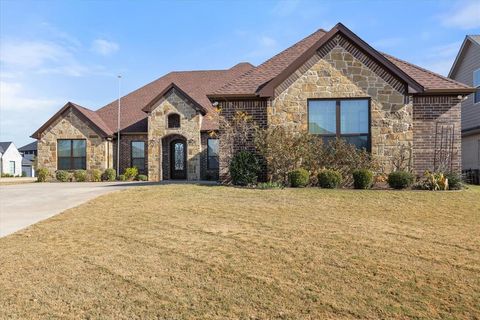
122, 177
269, 185
142, 177
80, 175
400, 179
454, 181
62, 176
7, 175
298, 178
95, 175
42, 174
24, 174
109, 175
329, 179
131, 173
244, 168
362, 179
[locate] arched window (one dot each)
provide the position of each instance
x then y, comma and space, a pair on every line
174, 120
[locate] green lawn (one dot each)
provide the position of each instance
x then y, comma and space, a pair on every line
185, 251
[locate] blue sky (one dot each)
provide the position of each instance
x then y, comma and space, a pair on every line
52, 52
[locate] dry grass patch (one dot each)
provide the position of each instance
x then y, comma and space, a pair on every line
183, 252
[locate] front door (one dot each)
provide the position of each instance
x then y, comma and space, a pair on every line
178, 159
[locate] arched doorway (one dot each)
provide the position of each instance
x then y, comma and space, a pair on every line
178, 159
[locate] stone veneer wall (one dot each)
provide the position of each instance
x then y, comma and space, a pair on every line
190, 124
126, 150
436, 119
337, 73
70, 125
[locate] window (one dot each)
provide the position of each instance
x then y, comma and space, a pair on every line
12, 167
138, 155
72, 154
476, 84
341, 118
212, 153
174, 120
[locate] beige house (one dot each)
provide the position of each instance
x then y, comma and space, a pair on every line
466, 69
331, 84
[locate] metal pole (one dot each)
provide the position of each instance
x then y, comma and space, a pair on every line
118, 126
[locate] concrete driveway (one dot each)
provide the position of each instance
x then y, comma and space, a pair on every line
22, 205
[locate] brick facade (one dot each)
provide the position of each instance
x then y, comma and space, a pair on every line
126, 151
436, 133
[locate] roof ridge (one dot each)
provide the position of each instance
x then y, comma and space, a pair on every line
424, 70
226, 85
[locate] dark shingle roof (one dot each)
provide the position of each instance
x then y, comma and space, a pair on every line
29, 147
195, 83
4, 146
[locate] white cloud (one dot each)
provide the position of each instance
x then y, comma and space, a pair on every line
31, 54
104, 47
265, 47
466, 15
440, 58
13, 96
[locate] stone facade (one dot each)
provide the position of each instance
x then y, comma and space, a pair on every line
70, 125
437, 133
126, 151
339, 74
190, 124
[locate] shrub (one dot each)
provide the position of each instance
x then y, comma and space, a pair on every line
80, 175
269, 185
7, 175
298, 178
131, 173
362, 179
109, 175
42, 174
24, 174
62, 176
95, 175
244, 168
454, 181
400, 179
329, 179
142, 177
433, 181
122, 177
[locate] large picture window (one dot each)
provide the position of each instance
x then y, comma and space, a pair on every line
341, 118
212, 154
72, 154
138, 155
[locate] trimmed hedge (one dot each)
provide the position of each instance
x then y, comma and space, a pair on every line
400, 179
122, 178
298, 178
62, 176
142, 177
109, 175
244, 168
80, 175
329, 179
362, 179
42, 174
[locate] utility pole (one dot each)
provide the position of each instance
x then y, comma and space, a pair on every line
118, 126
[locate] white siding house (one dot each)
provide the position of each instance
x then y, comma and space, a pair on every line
10, 159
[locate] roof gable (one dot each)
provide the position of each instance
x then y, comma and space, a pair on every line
86, 114
268, 90
149, 107
467, 42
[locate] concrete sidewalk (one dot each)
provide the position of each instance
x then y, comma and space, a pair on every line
22, 205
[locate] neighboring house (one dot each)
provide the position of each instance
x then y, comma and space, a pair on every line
332, 84
466, 69
30, 148
10, 159
28, 167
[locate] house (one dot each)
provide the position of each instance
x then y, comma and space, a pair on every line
331, 83
30, 148
10, 160
466, 69
28, 165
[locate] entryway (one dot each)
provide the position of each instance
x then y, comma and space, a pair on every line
178, 159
